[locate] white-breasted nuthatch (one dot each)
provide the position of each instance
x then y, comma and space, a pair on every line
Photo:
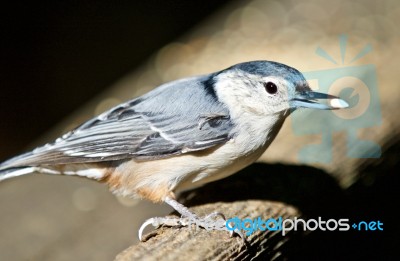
179, 136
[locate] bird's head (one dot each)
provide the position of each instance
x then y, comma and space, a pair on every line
268, 88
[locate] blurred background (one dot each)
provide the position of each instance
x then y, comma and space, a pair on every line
63, 63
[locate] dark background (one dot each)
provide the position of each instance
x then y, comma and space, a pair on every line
56, 55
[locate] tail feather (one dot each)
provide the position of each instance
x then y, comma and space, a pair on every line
17, 161
20, 165
84, 170
27, 164
15, 172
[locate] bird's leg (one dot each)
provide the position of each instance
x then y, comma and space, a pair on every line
191, 218
188, 218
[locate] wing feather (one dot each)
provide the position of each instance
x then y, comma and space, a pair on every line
165, 122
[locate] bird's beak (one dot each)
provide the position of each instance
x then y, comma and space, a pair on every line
317, 100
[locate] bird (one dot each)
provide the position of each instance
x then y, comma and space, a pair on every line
180, 136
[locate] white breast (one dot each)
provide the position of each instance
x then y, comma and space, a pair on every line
236, 154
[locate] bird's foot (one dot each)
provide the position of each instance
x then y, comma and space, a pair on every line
213, 221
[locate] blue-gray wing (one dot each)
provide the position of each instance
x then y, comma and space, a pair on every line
175, 118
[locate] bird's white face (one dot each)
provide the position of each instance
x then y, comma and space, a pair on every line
254, 94
273, 95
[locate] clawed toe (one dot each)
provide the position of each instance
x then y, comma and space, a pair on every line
150, 221
159, 221
213, 221
238, 232
215, 214
208, 222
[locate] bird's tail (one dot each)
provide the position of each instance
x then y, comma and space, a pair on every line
11, 168
28, 163
6, 173
23, 165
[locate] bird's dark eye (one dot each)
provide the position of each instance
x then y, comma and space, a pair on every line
270, 87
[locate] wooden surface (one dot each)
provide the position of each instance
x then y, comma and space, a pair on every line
186, 244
